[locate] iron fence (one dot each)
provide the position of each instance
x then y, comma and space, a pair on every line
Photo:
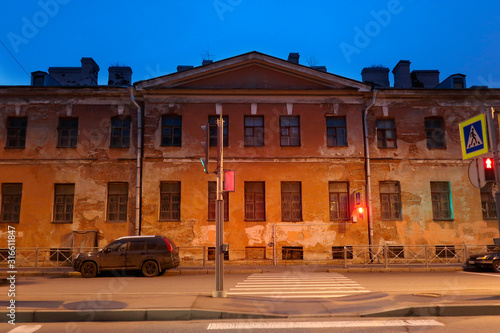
342, 256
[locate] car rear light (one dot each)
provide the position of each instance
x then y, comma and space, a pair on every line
169, 246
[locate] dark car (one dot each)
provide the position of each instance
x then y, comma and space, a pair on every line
490, 260
152, 255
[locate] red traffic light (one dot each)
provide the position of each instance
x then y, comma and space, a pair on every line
488, 163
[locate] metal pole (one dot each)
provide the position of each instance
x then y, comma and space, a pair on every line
274, 245
219, 214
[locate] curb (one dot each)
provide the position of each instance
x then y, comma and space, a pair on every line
46, 316
439, 311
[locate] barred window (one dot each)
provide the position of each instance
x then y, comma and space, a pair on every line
254, 130
120, 132
63, 202
339, 200
11, 202
67, 132
434, 130
212, 202
255, 201
171, 131
390, 200
117, 202
212, 122
291, 201
441, 201
16, 132
386, 133
170, 201
290, 131
336, 131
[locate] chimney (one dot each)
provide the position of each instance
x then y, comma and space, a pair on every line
182, 68
119, 76
425, 78
376, 75
206, 62
89, 72
293, 58
402, 78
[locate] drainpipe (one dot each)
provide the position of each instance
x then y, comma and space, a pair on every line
138, 182
368, 169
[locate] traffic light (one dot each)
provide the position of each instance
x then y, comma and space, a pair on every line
489, 168
205, 145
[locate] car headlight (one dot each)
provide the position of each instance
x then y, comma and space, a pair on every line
483, 258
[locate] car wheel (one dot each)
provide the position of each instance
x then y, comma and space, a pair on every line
150, 268
496, 266
88, 269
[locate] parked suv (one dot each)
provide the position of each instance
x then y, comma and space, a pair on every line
152, 255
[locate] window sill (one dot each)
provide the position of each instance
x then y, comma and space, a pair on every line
125, 147
61, 222
15, 147
107, 221
16, 222
66, 147
443, 220
162, 220
255, 220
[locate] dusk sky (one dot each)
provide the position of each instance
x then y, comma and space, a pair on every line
153, 37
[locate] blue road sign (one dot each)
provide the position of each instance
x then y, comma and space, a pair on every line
473, 135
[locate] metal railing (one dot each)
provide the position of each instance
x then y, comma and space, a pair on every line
343, 256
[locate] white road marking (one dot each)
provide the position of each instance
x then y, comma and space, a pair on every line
491, 275
300, 285
328, 324
25, 329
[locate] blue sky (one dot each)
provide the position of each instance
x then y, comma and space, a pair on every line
153, 37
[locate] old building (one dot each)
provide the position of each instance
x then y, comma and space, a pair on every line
97, 162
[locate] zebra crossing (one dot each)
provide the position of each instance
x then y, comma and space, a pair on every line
296, 285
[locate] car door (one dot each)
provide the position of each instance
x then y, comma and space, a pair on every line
113, 255
136, 254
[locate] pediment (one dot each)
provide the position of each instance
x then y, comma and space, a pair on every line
252, 71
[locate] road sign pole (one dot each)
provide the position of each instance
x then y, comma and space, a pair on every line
219, 214
494, 148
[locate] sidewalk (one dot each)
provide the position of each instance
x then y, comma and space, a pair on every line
201, 305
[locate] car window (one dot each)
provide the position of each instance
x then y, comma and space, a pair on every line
136, 246
119, 245
152, 244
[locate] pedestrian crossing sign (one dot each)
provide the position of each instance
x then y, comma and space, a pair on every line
473, 136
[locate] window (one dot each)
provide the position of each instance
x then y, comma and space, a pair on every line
292, 253
212, 254
386, 133
291, 201
396, 252
339, 200
290, 130
255, 201
171, 131
336, 132
434, 129
458, 83
390, 200
254, 130
120, 132
441, 201
488, 202
117, 202
212, 121
11, 202
170, 201
67, 132
16, 132
342, 252
63, 202
212, 202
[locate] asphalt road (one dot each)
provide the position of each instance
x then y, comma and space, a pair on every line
385, 325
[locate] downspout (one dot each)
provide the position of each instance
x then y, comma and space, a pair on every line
368, 169
138, 182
